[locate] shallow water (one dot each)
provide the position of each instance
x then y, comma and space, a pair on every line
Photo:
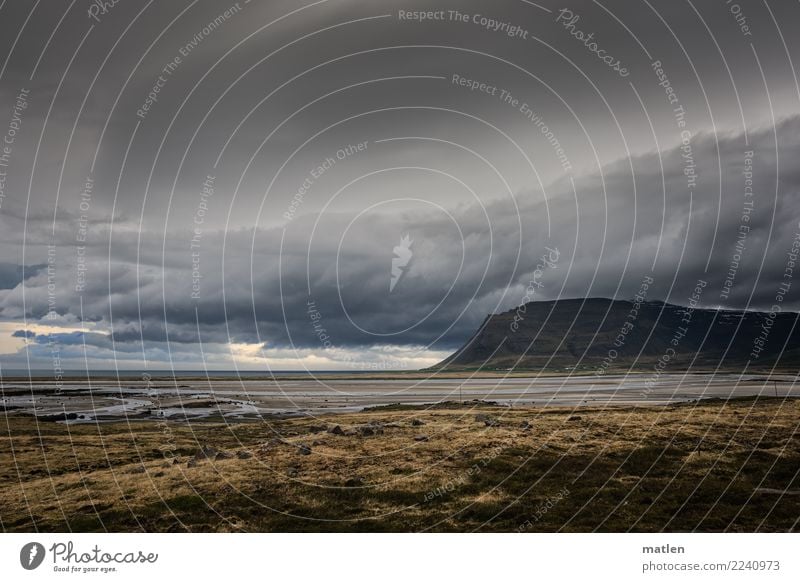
244, 399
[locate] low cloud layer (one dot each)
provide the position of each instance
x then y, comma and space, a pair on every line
322, 283
343, 183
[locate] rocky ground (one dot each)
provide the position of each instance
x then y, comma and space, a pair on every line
710, 466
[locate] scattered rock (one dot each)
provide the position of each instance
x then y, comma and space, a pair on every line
273, 443
206, 452
304, 449
526, 425
192, 462
376, 426
491, 422
417, 422
293, 471
223, 455
159, 474
350, 432
574, 417
354, 482
317, 443
244, 455
336, 430
366, 431
316, 429
421, 438
176, 461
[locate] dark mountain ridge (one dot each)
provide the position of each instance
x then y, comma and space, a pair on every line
604, 335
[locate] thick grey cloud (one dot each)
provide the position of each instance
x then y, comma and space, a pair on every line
12, 275
252, 291
297, 240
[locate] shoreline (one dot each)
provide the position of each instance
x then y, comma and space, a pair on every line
780, 374
231, 400
236, 400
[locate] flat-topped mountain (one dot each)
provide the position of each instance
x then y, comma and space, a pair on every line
602, 335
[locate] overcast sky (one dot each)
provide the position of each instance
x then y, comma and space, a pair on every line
341, 185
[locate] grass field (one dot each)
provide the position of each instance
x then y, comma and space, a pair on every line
710, 466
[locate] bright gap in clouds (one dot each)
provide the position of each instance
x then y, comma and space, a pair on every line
83, 350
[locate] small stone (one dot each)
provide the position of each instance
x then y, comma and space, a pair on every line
526, 425
421, 438
574, 418
223, 455
244, 455
366, 431
316, 429
304, 449
272, 444
192, 463
417, 422
491, 422
354, 482
336, 430
350, 432
205, 453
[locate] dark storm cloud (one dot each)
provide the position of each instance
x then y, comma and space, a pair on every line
12, 275
607, 244
149, 255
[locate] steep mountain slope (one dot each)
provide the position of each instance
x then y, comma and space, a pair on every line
603, 335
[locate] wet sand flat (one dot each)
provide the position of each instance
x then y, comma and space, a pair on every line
251, 399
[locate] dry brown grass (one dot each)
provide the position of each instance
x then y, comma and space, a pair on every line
676, 468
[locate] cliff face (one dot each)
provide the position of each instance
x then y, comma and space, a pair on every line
604, 335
